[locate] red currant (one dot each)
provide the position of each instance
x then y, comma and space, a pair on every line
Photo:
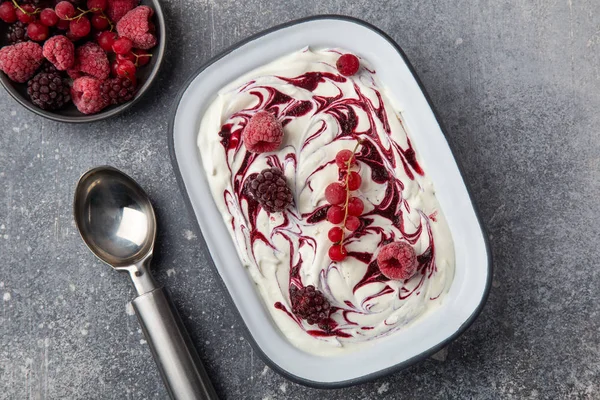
348, 64
335, 214
354, 181
126, 57
37, 31
342, 157
97, 5
126, 69
352, 223
106, 40
8, 13
122, 45
80, 27
335, 193
355, 206
48, 17
100, 22
335, 234
64, 10
337, 252
143, 58
63, 24
27, 16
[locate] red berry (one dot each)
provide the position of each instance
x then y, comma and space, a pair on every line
37, 31
97, 5
335, 234
8, 13
137, 26
80, 27
48, 17
342, 157
354, 181
63, 24
100, 22
397, 260
355, 206
126, 69
27, 16
335, 193
122, 46
335, 214
126, 57
352, 223
337, 252
143, 57
106, 40
348, 64
64, 10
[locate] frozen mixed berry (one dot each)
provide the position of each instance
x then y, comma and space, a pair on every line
137, 27
48, 91
142, 57
8, 12
348, 64
64, 10
397, 261
118, 90
48, 17
263, 133
116, 9
92, 60
97, 5
80, 27
338, 252
269, 188
60, 51
335, 214
87, 95
21, 60
122, 46
335, 193
37, 31
355, 206
106, 40
335, 234
310, 304
26, 13
16, 33
99, 22
126, 69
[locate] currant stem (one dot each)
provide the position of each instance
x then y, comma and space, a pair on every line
36, 11
347, 179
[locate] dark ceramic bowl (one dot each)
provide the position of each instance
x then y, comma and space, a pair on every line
146, 76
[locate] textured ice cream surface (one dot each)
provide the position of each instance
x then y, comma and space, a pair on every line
323, 112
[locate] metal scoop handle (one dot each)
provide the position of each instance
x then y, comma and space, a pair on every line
182, 371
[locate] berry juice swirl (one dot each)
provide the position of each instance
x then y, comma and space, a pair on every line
323, 112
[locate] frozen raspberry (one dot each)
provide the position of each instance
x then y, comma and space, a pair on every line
87, 95
136, 26
263, 133
397, 261
335, 193
48, 90
348, 64
91, 60
21, 60
118, 90
117, 9
310, 304
270, 190
60, 51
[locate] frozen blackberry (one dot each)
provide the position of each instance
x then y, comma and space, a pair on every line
310, 304
270, 190
118, 90
47, 66
48, 91
16, 33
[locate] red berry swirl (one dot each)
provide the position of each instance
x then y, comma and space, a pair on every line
324, 115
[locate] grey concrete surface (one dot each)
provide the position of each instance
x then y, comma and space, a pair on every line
517, 84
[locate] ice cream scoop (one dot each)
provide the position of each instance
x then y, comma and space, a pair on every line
116, 220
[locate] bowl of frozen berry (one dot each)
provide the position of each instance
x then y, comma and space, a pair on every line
80, 60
